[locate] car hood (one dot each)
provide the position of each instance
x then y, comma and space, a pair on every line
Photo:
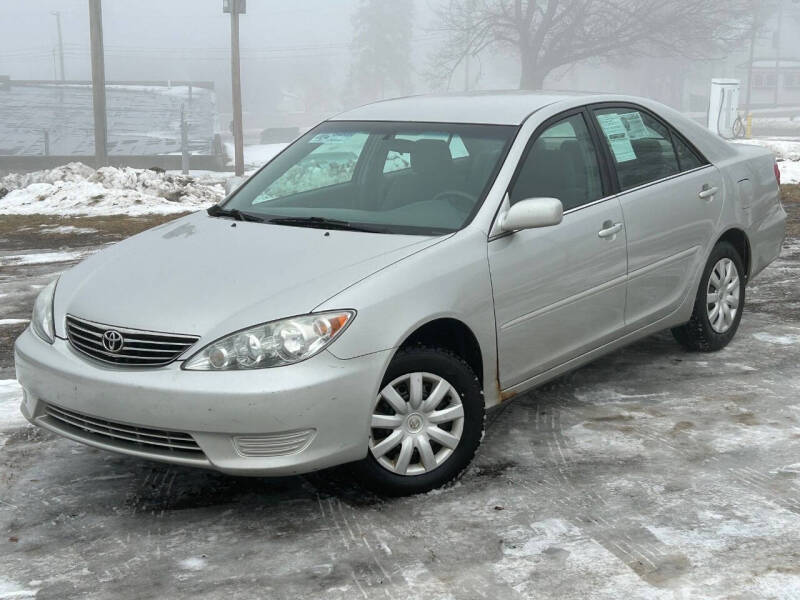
209, 276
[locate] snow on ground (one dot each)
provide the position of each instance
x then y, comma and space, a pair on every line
10, 398
787, 152
9, 590
255, 156
76, 189
66, 229
13, 321
41, 258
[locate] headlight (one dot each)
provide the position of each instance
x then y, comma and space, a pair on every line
42, 319
273, 344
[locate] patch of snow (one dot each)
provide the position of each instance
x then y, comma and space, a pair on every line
793, 469
609, 442
9, 590
781, 340
790, 171
13, 321
257, 155
777, 585
42, 258
602, 396
76, 189
740, 367
194, 563
66, 229
10, 399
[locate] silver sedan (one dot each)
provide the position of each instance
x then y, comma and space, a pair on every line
366, 295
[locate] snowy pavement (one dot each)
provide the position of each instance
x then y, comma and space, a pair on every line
652, 473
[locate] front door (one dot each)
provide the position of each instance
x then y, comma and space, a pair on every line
559, 291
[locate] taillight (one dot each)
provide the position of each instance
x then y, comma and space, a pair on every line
777, 173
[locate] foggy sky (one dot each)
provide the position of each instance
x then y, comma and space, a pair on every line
190, 39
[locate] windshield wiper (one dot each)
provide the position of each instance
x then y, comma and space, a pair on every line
323, 223
235, 213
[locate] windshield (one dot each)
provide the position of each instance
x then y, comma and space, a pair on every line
390, 177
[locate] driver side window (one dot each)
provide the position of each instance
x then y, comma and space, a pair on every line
561, 163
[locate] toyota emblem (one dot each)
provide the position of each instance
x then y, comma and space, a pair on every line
113, 340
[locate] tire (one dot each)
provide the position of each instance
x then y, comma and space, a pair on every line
400, 431
701, 334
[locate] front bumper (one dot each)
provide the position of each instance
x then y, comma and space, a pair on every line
227, 414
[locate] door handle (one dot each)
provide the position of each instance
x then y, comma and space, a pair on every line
610, 230
708, 192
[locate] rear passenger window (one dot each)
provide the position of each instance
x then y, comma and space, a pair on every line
562, 163
687, 157
640, 145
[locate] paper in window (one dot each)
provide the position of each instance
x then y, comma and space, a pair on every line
617, 134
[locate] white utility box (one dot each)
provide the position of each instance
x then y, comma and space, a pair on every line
724, 106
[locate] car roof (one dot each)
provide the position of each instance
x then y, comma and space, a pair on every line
514, 108
496, 108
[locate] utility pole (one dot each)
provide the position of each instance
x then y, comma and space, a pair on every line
235, 7
753, 39
98, 83
57, 15
778, 52
184, 143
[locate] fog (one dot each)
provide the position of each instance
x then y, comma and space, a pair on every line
301, 62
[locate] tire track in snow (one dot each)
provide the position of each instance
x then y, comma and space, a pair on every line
369, 575
763, 485
651, 559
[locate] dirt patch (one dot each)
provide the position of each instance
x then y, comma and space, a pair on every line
747, 418
681, 426
790, 195
30, 232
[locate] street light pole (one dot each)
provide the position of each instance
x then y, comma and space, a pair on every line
57, 15
778, 52
753, 39
236, 6
98, 83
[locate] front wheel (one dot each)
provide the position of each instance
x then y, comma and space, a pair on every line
719, 303
426, 423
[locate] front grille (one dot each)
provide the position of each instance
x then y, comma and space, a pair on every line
153, 441
135, 347
273, 444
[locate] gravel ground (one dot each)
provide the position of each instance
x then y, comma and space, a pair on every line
651, 473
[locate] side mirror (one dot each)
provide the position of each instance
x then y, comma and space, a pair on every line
233, 183
533, 213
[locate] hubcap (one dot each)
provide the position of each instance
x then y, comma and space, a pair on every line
722, 295
417, 424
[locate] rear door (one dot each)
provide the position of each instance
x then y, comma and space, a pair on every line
559, 291
671, 198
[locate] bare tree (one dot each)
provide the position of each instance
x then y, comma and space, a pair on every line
382, 49
547, 34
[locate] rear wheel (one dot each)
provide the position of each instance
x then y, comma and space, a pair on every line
719, 303
426, 424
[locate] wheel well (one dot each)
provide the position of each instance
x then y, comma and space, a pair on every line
738, 239
452, 335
